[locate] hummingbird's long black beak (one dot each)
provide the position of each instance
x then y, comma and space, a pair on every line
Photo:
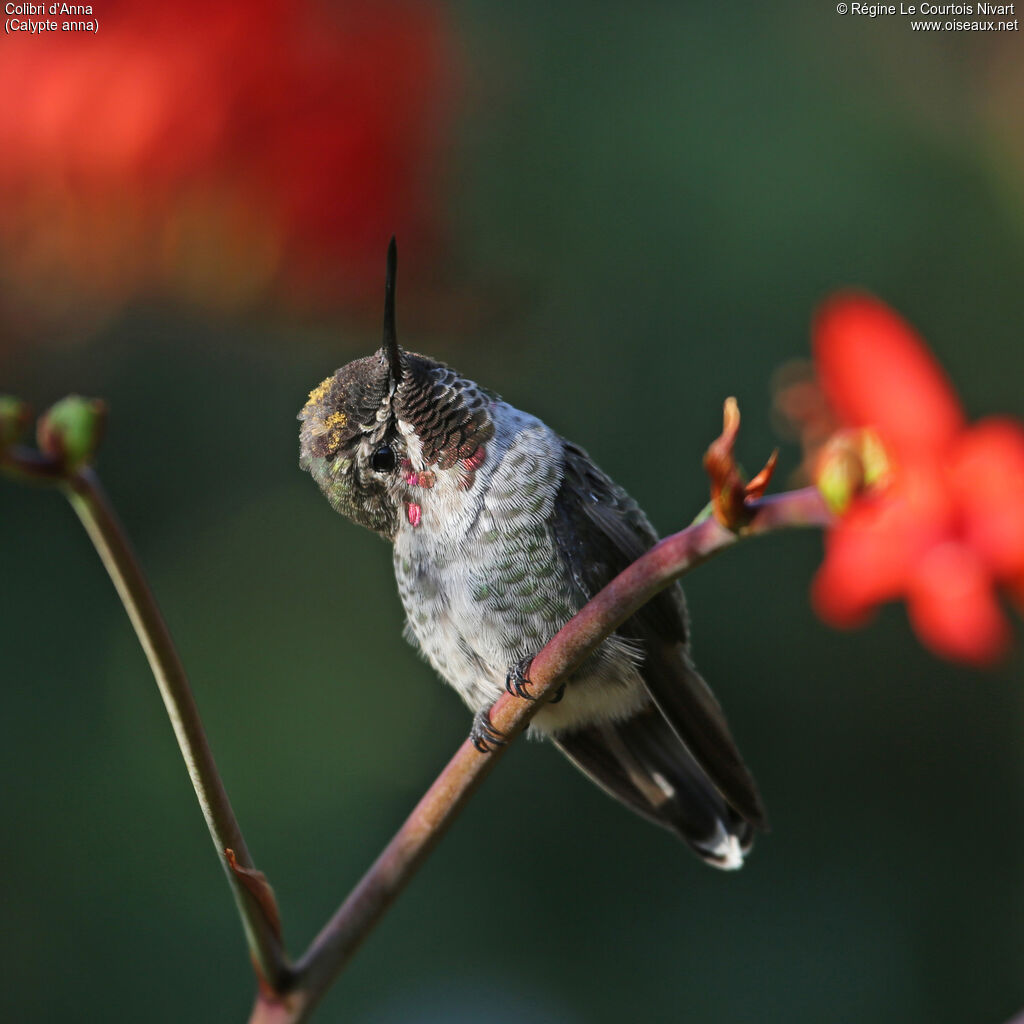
389, 346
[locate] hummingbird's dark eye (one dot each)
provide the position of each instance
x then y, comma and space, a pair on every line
383, 459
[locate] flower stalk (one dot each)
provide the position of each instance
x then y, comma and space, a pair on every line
70, 441
101, 524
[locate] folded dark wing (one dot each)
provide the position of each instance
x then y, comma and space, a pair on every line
600, 530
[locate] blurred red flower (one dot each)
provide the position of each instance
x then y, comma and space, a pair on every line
214, 150
943, 527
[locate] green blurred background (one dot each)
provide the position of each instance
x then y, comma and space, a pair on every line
641, 205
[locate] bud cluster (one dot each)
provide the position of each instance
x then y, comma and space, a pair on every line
68, 435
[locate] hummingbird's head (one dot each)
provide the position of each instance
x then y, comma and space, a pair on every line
386, 433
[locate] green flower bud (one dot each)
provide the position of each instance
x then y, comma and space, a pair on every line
851, 461
72, 429
839, 472
874, 458
15, 417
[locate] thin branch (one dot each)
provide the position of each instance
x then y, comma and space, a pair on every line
94, 510
637, 584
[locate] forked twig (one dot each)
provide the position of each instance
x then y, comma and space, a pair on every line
288, 993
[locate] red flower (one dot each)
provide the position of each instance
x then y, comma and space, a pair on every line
218, 151
944, 527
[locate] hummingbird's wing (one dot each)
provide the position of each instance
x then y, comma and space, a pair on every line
600, 530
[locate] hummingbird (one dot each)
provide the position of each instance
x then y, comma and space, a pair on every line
502, 530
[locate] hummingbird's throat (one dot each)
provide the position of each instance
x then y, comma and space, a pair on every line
428, 489
421, 480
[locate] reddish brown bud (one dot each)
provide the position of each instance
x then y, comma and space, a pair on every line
731, 495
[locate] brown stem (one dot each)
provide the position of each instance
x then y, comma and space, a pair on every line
637, 584
94, 510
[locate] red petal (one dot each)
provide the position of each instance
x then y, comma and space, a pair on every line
953, 608
866, 563
877, 372
987, 477
872, 550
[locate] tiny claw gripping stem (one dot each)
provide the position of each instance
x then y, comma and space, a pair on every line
517, 679
731, 495
484, 735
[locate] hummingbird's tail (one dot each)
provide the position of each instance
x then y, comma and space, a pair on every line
643, 763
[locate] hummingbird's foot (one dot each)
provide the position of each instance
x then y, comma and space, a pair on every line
483, 733
516, 681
